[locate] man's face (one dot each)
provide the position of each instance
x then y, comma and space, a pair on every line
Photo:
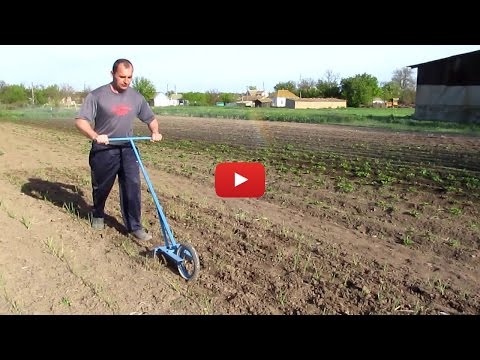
122, 77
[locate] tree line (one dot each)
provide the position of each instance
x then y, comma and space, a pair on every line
20, 95
358, 90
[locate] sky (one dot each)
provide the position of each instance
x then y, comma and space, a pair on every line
201, 68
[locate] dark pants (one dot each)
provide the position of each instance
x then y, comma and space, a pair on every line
106, 162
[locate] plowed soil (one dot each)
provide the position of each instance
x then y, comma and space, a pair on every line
354, 221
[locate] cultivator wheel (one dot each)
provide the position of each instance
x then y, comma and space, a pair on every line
190, 265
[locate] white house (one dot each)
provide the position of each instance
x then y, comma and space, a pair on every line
176, 99
161, 99
279, 99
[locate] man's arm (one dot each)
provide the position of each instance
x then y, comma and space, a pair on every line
86, 129
153, 126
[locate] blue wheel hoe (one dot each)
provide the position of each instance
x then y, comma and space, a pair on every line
184, 256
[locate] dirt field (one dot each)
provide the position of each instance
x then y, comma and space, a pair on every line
354, 221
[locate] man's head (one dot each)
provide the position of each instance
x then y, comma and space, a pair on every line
122, 72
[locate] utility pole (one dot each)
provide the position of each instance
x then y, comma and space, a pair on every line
33, 96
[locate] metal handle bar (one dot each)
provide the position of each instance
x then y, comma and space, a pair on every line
167, 232
131, 138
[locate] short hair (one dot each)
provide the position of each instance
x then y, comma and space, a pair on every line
117, 62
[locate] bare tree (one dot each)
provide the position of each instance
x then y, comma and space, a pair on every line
331, 78
307, 88
329, 86
67, 90
404, 77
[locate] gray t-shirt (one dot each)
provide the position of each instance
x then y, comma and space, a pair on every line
113, 114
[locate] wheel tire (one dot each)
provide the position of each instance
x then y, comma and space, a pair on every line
190, 266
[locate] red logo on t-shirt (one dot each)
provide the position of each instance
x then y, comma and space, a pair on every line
121, 110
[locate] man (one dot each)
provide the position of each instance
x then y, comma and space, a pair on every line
112, 109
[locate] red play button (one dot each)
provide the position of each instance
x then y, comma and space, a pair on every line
240, 179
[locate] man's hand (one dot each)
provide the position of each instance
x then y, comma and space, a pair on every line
102, 139
156, 137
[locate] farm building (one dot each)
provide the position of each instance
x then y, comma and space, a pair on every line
257, 93
263, 102
162, 99
315, 103
176, 99
280, 97
449, 89
252, 98
378, 102
248, 101
68, 102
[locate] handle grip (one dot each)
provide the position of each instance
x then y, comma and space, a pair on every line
131, 138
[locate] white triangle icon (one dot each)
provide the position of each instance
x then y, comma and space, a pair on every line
239, 179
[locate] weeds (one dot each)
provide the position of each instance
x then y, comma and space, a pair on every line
281, 296
26, 222
71, 209
53, 249
65, 301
